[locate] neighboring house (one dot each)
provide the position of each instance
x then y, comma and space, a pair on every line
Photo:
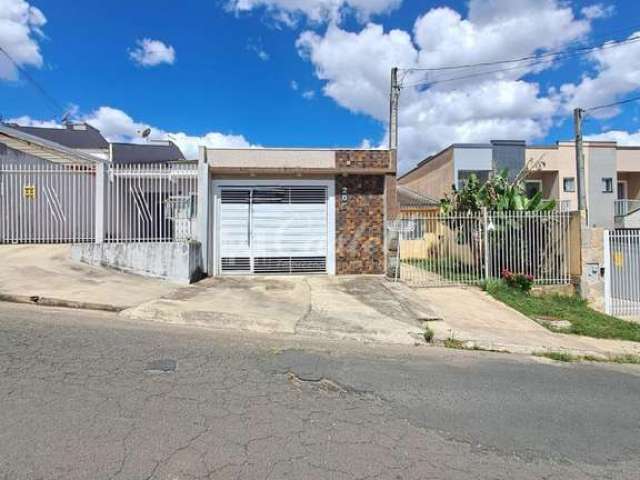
436, 175
145, 153
410, 201
76, 136
612, 174
612, 179
20, 146
297, 210
83, 138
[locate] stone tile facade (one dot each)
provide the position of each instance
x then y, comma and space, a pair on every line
363, 159
360, 216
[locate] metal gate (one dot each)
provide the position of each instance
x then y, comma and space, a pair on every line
151, 203
471, 247
272, 229
622, 272
47, 203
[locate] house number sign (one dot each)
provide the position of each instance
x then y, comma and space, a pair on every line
29, 191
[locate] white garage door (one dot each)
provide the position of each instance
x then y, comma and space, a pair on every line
271, 229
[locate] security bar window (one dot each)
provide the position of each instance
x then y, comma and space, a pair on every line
607, 185
569, 184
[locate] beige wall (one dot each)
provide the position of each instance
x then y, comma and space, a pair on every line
560, 161
271, 158
434, 178
628, 159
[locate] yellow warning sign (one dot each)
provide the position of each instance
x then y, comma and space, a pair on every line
29, 191
618, 259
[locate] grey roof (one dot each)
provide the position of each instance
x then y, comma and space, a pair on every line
127, 153
76, 136
411, 198
42, 148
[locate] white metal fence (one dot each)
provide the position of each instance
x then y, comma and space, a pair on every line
151, 203
469, 248
47, 203
622, 272
57, 203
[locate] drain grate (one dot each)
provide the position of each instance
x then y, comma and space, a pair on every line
162, 365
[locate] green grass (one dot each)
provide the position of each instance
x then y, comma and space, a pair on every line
584, 320
570, 358
452, 269
558, 356
454, 343
428, 334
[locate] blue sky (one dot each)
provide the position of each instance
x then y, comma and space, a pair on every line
236, 62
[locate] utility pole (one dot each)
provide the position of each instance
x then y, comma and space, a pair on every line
580, 180
394, 96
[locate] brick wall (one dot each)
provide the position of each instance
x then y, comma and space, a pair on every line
361, 159
360, 224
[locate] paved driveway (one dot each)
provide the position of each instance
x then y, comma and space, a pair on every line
363, 308
47, 272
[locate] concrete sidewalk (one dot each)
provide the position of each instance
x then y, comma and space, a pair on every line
46, 274
472, 316
362, 308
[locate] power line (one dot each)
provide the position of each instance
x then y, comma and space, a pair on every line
57, 108
539, 60
614, 104
553, 53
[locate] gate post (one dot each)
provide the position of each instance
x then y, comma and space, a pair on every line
102, 181
204, 195
485, 233
607, 272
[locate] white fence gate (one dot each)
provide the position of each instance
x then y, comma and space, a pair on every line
47, 203
622, 272
469, 248
56, 203
151, 203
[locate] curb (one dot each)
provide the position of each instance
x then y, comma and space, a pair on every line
57, 302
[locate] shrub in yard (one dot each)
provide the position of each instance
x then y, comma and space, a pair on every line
428, 334
520, 281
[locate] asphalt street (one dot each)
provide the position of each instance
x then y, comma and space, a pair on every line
90, 396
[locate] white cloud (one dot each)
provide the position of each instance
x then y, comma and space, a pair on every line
620, 136
20, 29
616, 75
27, 121
294, 85
308, 94
149, 53
598, 10
356, 67
288, 12
117, 126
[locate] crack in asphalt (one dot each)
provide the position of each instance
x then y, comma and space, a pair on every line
232, 410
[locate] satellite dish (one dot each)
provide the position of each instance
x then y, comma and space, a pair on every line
145, 133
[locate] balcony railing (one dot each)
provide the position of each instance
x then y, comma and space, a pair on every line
625, 207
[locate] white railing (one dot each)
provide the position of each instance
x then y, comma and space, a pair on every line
48, 203
469, 248
622, 272
151, 203
625, 207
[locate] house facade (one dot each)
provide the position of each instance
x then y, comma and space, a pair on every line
295, 210
612, 174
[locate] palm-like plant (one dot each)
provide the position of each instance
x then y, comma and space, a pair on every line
496, 194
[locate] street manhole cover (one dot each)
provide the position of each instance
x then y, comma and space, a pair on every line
162, 365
